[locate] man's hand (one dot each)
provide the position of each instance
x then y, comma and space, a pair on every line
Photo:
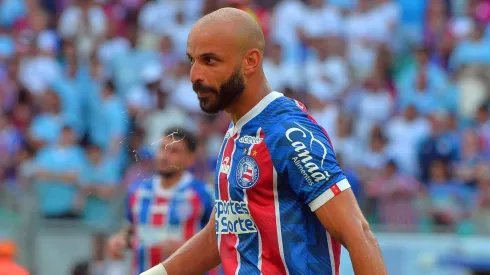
197, 256
343, 219
116, 246
69, 177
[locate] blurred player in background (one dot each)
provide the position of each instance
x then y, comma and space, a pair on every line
282, 203
166, 210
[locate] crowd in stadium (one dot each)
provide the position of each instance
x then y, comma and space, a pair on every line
402, 87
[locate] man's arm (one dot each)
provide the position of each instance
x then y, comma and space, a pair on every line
197, 256
344, 220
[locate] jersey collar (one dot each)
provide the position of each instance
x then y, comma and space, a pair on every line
186, 178
256, 110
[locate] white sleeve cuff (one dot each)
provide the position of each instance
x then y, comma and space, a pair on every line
331, 192
159, 269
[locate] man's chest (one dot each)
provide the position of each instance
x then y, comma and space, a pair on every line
157, 209
244, 165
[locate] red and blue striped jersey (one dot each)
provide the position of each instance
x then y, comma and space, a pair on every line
159, 214
275, 168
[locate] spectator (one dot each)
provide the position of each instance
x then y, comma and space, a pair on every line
481, 215
424, 97
472, 51
386, 14
99, 264
439, 145
483, 128
110, 124
375, 156
10, 145
57, 176
280, 74
320, 20
144, 98
346, 142
433, 76
39, 71
362, 45
327, 73
375, 105
395, 193
450, 200
98, 182
126, 67
405, 133
84, 22
46, 127
469, 159
287, 18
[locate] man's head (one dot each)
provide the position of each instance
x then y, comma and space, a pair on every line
225, 49
94, 153
176, 152
67, 137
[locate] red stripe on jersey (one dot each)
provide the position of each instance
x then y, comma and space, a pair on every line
336, 254
158, 219
263, 212
132, 202
156, 256
227, 247
190, 226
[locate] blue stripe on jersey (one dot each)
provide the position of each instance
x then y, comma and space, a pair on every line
248, 247
144, 204
141, 259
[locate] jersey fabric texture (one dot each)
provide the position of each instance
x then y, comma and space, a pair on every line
159, 214
276, 167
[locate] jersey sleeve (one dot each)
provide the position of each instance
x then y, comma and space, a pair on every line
129, 202
304, 158
206, 196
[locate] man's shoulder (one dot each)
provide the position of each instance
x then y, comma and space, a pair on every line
289, 114
141, 184
282, 112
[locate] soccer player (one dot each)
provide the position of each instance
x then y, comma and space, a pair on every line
282, 204
166, 210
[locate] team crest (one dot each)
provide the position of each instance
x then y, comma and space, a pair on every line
247, 172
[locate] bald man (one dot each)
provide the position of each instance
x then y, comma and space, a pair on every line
282, 204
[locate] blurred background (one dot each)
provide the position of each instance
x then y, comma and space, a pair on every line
87, 87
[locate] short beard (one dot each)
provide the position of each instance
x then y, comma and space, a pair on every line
169, 174
228, 93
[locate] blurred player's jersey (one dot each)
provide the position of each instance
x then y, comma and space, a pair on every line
276, 167
159, 214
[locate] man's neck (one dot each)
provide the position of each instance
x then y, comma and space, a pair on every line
168, 183
250, 97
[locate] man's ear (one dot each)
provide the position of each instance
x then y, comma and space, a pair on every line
251, 61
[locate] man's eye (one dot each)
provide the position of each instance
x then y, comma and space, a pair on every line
209, 60
191, 60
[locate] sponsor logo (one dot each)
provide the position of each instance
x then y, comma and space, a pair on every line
247, 173
233, 217
151, 235
250, 140
302, 144
225, 166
